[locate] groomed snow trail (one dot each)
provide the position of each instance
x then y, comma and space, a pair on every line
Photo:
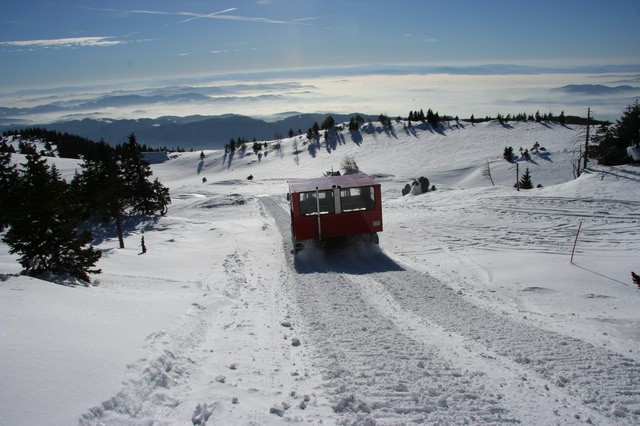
395, 345
228, 359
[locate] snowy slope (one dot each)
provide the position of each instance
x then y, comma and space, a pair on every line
469, 311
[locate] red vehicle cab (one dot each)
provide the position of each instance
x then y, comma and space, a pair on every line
335, 206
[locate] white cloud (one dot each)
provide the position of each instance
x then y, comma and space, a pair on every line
64, 42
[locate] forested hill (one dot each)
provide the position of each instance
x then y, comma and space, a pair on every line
192, 132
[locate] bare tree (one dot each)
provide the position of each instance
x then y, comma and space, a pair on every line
577, 159
296, 151
486, 172
576, 163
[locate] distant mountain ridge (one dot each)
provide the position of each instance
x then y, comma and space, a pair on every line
191, 132
595, 89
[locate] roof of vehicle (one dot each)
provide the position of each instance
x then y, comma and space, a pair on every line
329, 182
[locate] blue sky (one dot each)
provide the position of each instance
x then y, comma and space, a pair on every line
45, 45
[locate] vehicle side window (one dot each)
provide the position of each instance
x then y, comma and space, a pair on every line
354, 199
309, 204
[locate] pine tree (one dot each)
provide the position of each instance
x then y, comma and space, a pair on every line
328, 123
140, 195
45, 232
628, 126
101, 189
256, 147
98, 185
611, 143
430, 117
117, 183
525, 180
8, 176
562, 119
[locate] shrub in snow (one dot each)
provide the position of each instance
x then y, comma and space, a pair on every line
424, 184
349, 165
535, 147
508, 153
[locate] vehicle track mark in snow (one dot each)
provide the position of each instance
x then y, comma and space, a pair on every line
477, 360
601, 380
380, 337
371, 369
374, 369
540, 224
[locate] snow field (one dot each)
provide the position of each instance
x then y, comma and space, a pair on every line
467, 312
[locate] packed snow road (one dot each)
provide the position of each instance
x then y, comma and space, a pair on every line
394, 345
344, 335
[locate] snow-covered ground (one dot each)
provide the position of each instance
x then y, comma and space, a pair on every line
469, 311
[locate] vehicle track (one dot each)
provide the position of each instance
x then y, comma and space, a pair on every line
602, 380
393, 344
538, 224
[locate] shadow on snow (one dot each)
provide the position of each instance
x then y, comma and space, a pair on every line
343, 257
